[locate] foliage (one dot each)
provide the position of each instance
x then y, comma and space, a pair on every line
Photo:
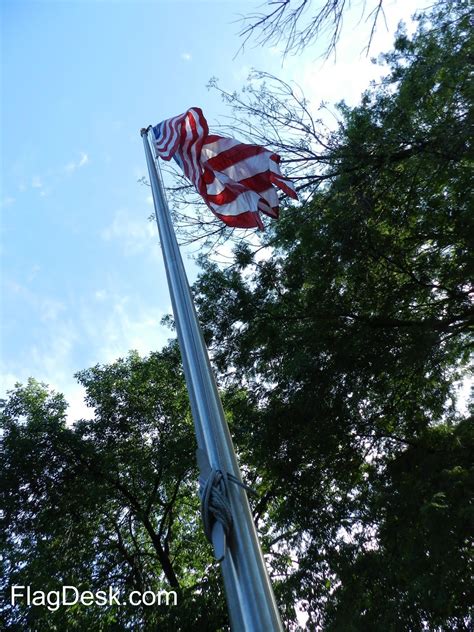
420, 573
349, 339
107, 502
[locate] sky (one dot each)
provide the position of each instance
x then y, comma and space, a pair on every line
82, 278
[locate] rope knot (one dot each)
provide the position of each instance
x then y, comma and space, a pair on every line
216, 511
215, 506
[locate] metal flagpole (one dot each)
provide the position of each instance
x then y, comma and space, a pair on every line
249, 594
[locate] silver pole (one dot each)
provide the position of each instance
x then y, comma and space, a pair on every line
250, 599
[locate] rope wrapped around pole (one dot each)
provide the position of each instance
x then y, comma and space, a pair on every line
215, 505
216, 511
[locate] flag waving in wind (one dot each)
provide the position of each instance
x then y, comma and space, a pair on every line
236, 180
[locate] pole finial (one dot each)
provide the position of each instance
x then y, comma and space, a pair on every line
145, 130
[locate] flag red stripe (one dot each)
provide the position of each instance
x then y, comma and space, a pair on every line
244, 220
234, 155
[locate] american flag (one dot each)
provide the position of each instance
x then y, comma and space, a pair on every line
236, 180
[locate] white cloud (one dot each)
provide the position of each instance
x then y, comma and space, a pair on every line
55, 174
100, 295
131, 326
332, 83
186, 56
37, 183
42, 307
277, 50
136, 234
72, 166
50, 361
7, 382
51, 356
77, 409
33, 272
50, 309
7, 201
72, 337
107, 335
242, 73
74, 393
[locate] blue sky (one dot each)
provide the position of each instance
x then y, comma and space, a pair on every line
82, 280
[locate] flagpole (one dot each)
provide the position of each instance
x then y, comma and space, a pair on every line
249, 594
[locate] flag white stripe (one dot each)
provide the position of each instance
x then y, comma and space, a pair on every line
210, 150
271, 196
243, 203
248, 168
216, 186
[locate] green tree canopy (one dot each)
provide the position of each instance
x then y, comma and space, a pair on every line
107, 502
348, 340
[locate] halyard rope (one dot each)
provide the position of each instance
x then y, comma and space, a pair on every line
215, 504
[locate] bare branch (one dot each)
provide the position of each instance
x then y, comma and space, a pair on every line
289, 23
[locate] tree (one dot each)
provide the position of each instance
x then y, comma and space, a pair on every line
107, 502
343, 348
424, 560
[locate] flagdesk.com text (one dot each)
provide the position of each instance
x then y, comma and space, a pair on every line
70, 595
